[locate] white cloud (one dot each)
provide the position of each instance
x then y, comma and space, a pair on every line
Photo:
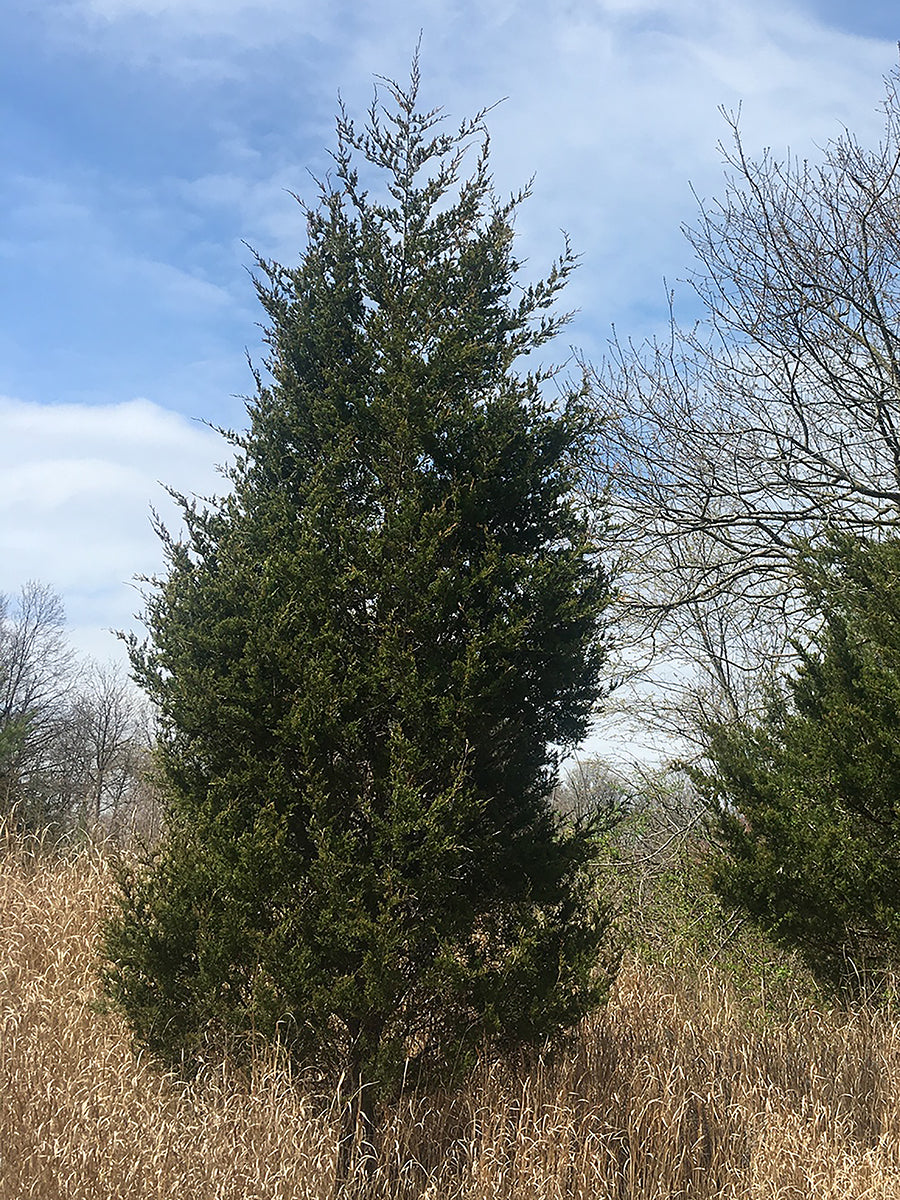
76, 488
53, 221
211, 9
613, 105
138, 28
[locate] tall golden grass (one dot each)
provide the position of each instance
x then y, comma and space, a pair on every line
673, 1091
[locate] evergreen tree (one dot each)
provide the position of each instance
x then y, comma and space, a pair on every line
367, 657
806, 802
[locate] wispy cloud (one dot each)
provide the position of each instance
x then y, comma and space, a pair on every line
77, 483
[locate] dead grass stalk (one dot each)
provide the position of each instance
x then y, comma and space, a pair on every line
674, 1092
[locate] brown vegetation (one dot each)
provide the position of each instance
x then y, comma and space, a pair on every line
674, 1091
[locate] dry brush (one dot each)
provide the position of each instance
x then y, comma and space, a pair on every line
673, 1091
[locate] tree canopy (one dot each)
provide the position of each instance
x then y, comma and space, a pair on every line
768, 420
805, 801
367, 657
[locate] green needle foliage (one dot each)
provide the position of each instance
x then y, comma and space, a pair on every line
363, 657
806, 804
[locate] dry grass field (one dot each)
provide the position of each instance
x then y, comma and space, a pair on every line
673, 1091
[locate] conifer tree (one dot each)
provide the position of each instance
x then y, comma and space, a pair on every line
368, 656
805, 801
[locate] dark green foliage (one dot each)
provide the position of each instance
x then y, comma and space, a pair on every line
807, 802
361, 657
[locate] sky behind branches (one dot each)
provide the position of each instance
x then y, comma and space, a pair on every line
145, 143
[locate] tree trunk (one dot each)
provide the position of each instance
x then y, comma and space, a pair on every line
359, 1144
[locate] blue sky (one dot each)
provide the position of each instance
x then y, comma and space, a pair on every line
143, 142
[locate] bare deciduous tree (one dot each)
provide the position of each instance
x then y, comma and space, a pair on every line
776, 416
36, 685
592, 791
72, 747
107, 747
